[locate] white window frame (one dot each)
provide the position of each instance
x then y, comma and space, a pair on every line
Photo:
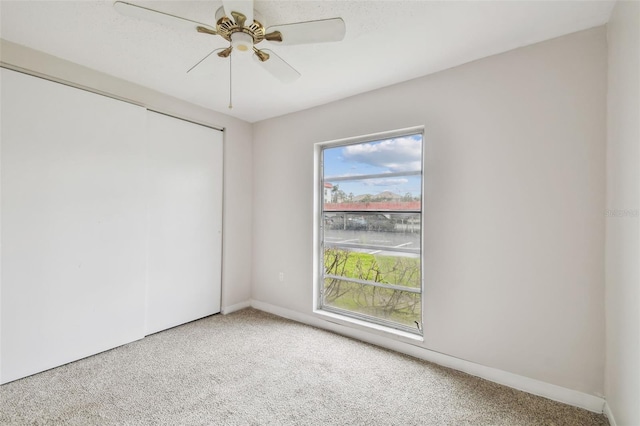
353, 319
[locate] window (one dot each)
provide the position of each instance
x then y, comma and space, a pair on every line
370, 230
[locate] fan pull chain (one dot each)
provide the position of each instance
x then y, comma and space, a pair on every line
230, 82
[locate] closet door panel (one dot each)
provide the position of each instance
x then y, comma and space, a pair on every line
73, 224
185, 221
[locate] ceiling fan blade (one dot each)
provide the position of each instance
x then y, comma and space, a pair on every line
209, 65
243, 7
277, 67
156, 16
321, 31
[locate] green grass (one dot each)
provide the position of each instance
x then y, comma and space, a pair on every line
404, 271
394, 305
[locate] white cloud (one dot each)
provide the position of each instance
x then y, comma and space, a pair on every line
397, 155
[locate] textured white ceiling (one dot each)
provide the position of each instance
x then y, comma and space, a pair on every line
387, 42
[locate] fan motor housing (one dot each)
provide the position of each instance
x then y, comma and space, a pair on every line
226, 26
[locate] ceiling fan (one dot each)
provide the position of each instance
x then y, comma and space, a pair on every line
243, 27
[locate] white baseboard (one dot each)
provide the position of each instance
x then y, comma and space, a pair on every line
228, 309
526, 384
609, 414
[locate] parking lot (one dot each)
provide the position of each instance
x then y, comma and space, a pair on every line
402, 240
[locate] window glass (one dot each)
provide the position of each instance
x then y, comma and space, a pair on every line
371, 231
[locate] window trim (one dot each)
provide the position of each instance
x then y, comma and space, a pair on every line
354, 319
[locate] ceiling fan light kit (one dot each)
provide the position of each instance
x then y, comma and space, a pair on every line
242, 42
242, 27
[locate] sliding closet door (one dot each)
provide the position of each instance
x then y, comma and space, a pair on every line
73, 224
185, 221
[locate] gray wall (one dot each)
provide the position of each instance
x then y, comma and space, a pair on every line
623, 203
514, 197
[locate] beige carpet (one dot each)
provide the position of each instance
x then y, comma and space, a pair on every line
252, 368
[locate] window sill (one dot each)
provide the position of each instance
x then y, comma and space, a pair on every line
362, 325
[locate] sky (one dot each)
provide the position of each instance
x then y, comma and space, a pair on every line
396, 155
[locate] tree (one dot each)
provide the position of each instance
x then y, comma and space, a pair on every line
334, 193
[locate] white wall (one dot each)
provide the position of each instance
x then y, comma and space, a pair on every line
622, 376
237, 236
514, 199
